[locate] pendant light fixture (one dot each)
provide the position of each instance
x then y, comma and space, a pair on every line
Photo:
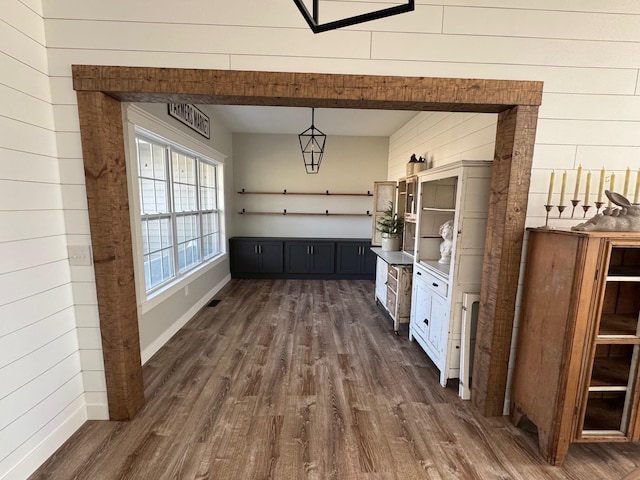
312, 146
313, 18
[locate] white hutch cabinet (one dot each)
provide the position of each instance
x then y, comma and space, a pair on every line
458, 192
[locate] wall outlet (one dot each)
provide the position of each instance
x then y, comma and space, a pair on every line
79, 255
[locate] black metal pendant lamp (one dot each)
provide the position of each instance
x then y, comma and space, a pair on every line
312, 146
313, 18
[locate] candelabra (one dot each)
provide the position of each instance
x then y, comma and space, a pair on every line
574, 204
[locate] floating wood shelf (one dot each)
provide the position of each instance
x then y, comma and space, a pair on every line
320, 214
325, 193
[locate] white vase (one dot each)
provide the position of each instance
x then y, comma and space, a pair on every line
390, 244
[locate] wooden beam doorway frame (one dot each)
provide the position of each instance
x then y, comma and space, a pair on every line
101, 89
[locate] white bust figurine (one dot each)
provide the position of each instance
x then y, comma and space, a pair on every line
446, 232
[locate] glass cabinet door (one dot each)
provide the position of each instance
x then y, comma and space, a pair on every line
611, 393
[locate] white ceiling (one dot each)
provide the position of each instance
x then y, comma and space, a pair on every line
294, 120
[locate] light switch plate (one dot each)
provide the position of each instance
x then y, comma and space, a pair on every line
79, 255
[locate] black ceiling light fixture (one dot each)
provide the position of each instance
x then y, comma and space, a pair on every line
313, 18
312, 146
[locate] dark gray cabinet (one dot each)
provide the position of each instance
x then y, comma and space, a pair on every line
256, 256
309, 257
355, 258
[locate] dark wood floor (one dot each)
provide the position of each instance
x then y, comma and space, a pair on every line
291, 379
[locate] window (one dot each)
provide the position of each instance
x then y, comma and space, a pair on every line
179, 213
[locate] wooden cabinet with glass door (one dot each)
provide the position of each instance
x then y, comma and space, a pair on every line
576, 373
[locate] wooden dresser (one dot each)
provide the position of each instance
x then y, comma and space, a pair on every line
576, 372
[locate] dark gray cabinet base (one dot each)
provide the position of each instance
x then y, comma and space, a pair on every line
304, 258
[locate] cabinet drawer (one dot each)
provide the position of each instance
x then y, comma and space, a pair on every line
391, 301
392, 283
433, 282
393, 272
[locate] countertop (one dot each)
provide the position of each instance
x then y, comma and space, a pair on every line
393, 258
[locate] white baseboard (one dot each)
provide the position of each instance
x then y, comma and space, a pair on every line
43, 444
159, 342
97, 411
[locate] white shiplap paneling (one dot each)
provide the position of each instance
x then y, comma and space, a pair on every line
154, 37
501, 50
19, 45
17, 105
505, 22
613, 108
588, 132
29, 196
25, 254
30, 310
25, 166
27, 137
23, 78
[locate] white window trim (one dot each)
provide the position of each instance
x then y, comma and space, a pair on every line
153, 127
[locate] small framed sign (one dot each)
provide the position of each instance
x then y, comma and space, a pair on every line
191, 116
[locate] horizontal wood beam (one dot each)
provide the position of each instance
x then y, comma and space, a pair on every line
230, 87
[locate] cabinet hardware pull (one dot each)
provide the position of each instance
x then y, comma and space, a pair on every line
426, 321
418, 273
434, 284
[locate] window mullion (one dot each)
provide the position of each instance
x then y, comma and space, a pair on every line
172, 209
199, 208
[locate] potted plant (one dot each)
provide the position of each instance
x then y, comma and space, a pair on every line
391, 226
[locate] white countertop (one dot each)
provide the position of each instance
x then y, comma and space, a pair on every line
393, 258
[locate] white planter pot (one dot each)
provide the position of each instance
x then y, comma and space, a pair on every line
390, 244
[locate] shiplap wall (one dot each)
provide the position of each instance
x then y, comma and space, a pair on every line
442, 138
586, 51
41, 382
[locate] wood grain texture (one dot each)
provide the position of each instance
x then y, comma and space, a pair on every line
510, 179
304, 379
147, 84
107, 197
516, 100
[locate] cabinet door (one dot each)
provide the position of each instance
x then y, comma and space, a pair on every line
611, 399
310, 257
298, 257
322, 257
368, 260
349, 259
381, 280
420, 308
438, 322
384, 193
353, 258
271, 257
246, 257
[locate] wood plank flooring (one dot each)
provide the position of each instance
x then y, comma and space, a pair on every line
296, 379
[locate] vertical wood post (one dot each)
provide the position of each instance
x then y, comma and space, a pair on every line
510, 178
108, 201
